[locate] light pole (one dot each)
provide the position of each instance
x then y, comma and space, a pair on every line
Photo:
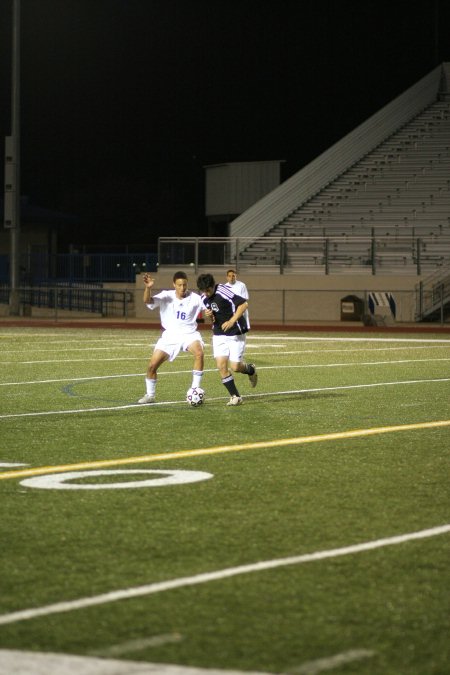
12, 168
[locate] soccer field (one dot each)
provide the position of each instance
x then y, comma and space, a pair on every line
306, 531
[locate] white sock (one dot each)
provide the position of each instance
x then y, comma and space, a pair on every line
197, 378
150, 386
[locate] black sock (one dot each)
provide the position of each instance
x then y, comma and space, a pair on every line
228, 382
249, 369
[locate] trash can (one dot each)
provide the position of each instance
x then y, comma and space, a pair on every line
352, 308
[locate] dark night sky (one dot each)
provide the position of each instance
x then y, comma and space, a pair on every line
124, 101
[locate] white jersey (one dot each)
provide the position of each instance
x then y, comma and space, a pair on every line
178, 315
239, 288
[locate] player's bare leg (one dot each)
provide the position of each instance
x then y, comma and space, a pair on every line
228, 380
158, 357
246, 369
196, 349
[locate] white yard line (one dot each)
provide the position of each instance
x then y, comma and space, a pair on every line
342, 364
152, 332
58, 361
346, 364
216, 575
220, 398
137, 645
101, 377
302, 338
331, 662
424, 344
15, 662
9, 465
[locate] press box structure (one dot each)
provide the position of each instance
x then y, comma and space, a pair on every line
233, 187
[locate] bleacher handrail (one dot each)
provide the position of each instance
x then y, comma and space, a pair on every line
409, 253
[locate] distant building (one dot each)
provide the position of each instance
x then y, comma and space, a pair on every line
233, 187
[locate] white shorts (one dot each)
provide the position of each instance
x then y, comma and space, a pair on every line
172, 344
232, 346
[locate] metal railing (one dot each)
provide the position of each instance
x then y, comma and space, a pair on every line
37, 268
321, 255
89, 298
433, 296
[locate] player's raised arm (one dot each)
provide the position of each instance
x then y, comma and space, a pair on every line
149, 282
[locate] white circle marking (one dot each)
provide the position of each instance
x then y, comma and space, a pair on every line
58, 481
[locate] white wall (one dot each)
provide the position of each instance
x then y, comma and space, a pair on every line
231, 188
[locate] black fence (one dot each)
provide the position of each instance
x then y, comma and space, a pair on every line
38, 268
87, 298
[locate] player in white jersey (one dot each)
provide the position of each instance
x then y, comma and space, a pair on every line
179, 310
239, 288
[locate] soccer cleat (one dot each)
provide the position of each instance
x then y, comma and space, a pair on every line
147, 399
253, 378
235, 400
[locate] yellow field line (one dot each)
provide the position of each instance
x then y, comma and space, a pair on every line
198, 452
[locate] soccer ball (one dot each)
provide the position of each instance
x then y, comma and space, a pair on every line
195, 396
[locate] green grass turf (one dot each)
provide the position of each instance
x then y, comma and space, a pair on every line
262, 503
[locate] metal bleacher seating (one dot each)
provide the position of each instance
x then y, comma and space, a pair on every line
396, 194
400, 184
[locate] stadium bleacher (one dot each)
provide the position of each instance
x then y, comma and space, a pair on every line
398, 190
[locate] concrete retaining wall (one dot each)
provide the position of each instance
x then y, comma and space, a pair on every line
302, 297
